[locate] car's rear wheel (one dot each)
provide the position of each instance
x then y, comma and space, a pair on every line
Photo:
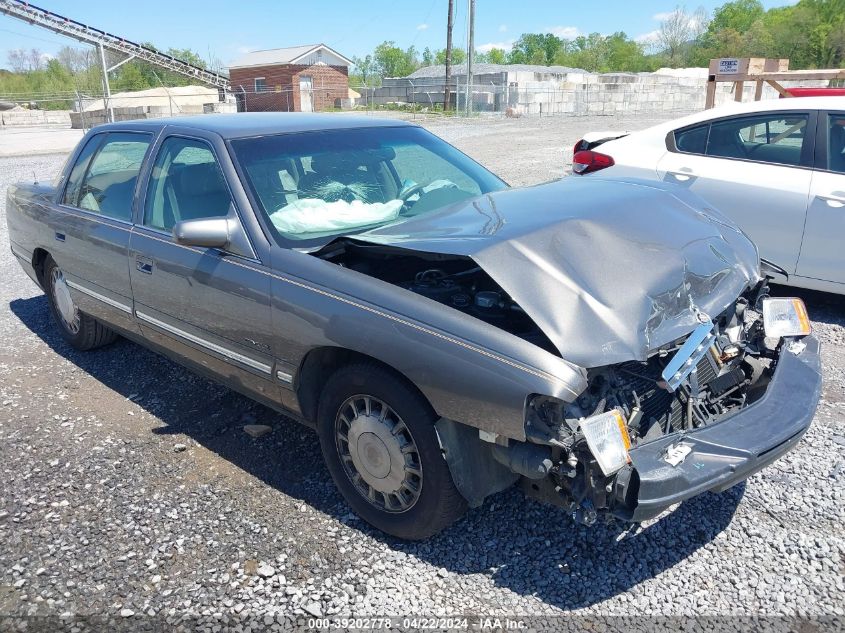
378, 439
81, 331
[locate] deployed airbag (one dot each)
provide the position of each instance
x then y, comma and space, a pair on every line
312, 215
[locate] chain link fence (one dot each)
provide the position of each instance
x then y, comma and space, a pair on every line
610, 95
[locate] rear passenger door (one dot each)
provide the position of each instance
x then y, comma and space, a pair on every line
822, 252
208, 307
92, 245
754, 169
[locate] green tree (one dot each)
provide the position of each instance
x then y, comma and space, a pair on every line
392, 61
496, 56
459, 56
624, 54
589, 52
535, 48
365, 70
739, 15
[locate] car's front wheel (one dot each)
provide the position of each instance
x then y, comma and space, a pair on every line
378, 439
80, 330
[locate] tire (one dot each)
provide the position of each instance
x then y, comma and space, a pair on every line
80, 331
398, 416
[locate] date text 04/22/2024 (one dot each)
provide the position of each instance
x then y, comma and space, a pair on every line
479, 623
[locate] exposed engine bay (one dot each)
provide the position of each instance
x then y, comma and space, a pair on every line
732, 374
455, 281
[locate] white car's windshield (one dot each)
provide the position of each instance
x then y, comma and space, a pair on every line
312, 186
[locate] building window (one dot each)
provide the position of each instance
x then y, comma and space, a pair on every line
260, 84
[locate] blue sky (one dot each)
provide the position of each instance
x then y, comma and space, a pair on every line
224, 28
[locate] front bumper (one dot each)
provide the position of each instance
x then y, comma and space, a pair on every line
729, 451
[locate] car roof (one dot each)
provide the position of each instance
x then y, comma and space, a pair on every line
245, 124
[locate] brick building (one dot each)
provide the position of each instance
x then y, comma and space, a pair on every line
295, 79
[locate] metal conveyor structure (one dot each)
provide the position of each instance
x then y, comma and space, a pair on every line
106, 41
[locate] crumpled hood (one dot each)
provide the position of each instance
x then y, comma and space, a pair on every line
609, 270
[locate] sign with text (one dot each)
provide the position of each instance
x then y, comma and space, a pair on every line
729, 66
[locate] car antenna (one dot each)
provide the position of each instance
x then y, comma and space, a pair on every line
34, 178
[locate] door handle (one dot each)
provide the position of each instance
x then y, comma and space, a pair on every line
837, 202
60, 237
682, 176
144, 265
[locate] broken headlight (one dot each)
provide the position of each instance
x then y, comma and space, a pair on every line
785, 317
607, 436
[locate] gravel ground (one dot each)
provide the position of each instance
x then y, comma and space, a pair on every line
129, 490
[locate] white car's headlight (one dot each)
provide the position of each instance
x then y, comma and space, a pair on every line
786, 316
607, 437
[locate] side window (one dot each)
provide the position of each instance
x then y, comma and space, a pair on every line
836, 143
773, 138
186, 184
692, 140
108, 186
77, 173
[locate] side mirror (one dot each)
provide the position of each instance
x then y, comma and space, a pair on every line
224, 233
206, 232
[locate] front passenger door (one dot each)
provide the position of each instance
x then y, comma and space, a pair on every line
208, 307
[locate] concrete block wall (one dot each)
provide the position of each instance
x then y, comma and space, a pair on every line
538, 93
25, 118
88, 119
629, 94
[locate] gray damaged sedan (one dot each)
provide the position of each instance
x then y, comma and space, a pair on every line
611, 346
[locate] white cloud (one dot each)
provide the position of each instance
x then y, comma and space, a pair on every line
565, 32
489, 46
665, 15
422, 27
503, 28
648, 38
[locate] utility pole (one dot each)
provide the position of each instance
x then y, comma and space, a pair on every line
470, 53
447, 96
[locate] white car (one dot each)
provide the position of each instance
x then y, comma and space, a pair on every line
776, 168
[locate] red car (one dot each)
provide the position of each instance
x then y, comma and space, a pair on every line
816, 92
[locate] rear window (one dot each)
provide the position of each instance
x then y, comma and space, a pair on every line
105, 184
772, 138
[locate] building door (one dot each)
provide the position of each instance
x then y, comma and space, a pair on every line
306, 89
